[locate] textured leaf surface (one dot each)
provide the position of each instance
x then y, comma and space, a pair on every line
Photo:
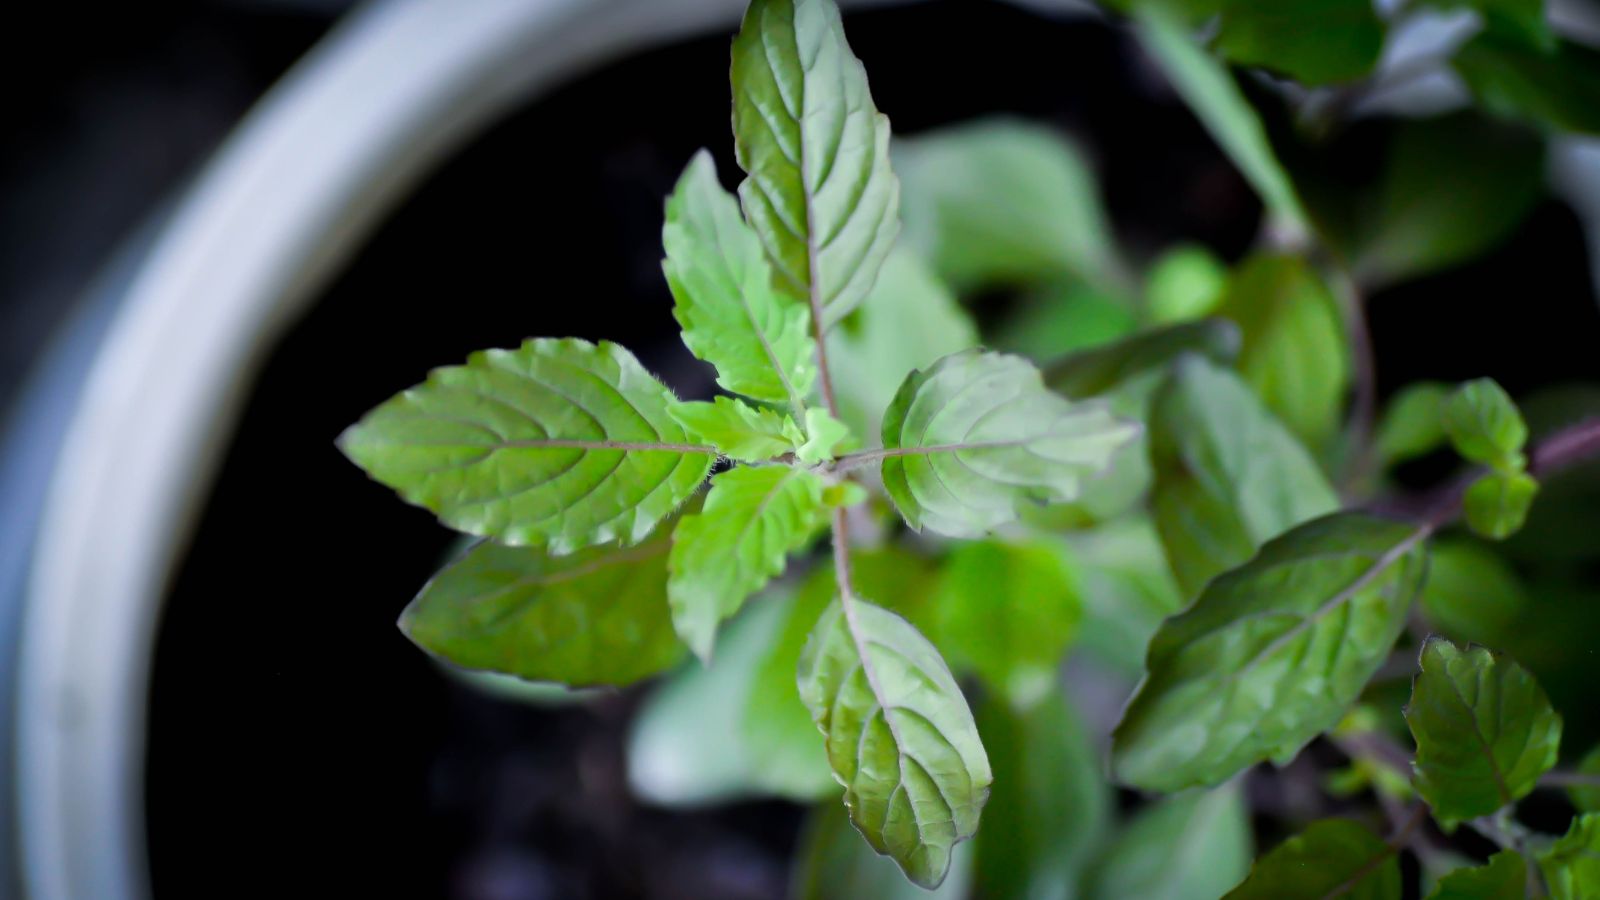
1271, 654
1190, 847
560, 444
1088, 373
754, 517
1504, 878
1228, 476
977, 435
738, 430
1571, 866
731, 314
1332, 858
824, 433
598, 616
833, 863
1485, 731
820, 193
1497, 504
899, 735
1484, 425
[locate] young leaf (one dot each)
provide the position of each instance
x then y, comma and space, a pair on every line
560, 444
1497, 504
1332, 858
1228, 476
1185, 283
1587, 797
1571, 866
1271, 654
1413, 422
976, 435
754, 517
820, 193
739, 430
1485, 426
1485, 731
1504, 878
595, 617
826, 434
1316, 42
833, 862
899, 735
732, 316
1095, 371
1190, 847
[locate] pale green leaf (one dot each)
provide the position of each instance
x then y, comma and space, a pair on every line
1062, 316
754, 517
1485, 425
834, 863
825, 434
1228, 476
598, 616
1504, 878
1332, 858
731, 314
1127, 591
1271, 654
560, 444
976, 435
1190, 847
1413, 422
899, 734
1185, 283
1095, 371
820, 193
1571, 866
740, 431
1497, 504
1312, 41
1586, 797
1485, 731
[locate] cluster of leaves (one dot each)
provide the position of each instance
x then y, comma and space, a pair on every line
1156, 498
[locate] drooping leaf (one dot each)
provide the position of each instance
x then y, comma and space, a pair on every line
1571, 866
1587, 797
598, 616
1497, 504
1228, 476
1190, 847
1484, 424
976, 435
1472, 593
899, 734
1558, 87
824, 435
1504, 878
1314, 41
754, 517
1089, 373
560, 444
1271, 654
732, 317
1413, 423
1485, 731
740, 431
1184, 283
1332, 858
833, 862
820, 193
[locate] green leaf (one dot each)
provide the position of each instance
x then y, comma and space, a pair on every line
1472, 593
899, 735
826, 434
1271, 654
1228, 475
833, 862
732, 316
598, 616
1497, 504
1062, 316
560, 444
1185, 283
1002, 201
820, 193
1557, 87
1504, 878
1332, 858
1485, 426
1092, 372
1050, 804
739, 430
1520, 19
976, 435
1485, 731
1127, 591
1314, 41
1587, 797
1413, 422
1008, 611
1571, 866
1190, 847
1293, 351
754, 517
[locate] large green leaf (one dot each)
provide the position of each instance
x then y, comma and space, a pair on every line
1472, 593
1228, 476
1332, 858
732, 315
1586, 797
598, 616
1557, 86
820, 193
1504, 878
1190, 847
1271, 654
976, 435
1097, 370
899, 734
1571, 866
754, 517
559, 444
738, 430
1311, 41
1485, 731
833, 862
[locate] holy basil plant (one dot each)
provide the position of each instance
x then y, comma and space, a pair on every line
887, 564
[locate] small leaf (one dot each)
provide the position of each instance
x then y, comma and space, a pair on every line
826, 434
1504, 878
833, 862
1485, 426
1316, 42
1413, 422
1185, 283
739, 430
976, 435
1092, 372
820, 193
595, 617
1190, 847
732, 316
1271, 654
1558, 87
754, 517
1587, 797
1332, 858
900, 737
1497, 504
560, 444
1571, 866
1485, 731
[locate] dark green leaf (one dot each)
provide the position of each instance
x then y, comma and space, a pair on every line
1519, 19
1571, 866
1472, 593
1485, 426
1558, 87
1190, 847
1332, 858
833, 863
1185, 283
1092, 372
1504, 878
1497, 504
1312, 41
1587, 797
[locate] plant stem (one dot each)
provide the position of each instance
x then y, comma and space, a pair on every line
841, 553
1569, 779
